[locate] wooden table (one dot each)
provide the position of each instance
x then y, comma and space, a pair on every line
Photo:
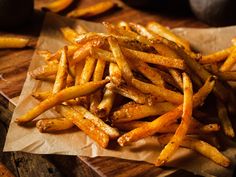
13, 69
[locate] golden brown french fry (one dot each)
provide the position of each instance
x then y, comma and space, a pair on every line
44, 71
95, 98
58, 5
201, 147
92, 10
157, 91
111, 132
134, 111
217, 56
85, 125
13, 42
41, 95
88, 70
103, 54
181, 131
227, 76
49, 125
120, 59
62, 72
61, 96
78, 71
166, 33
154, 58
229, 62
132, 93
69, 34
167, 118
224, 119
177, 77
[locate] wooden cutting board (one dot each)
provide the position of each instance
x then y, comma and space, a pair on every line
13, 68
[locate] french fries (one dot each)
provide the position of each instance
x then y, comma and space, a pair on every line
92, 10
58, 5
140, 93
13, 42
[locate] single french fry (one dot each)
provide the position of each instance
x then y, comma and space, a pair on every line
44, 71
88, 70
168, 95
103, 54
69, 34
201, 147
115, 74
78, 71
154, 58
61, 96
92, 10
227, 76
217, 56
85, 125
49, 125
62, 72
120, 59
229, 62
181, 131
166, 33
133, 111
177, 77
167, 118
13, 42
111, 132
224, 119
95, 98
58, 5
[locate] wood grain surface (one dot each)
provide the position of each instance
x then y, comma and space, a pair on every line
13, 70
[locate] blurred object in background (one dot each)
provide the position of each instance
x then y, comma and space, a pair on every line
215, 12
15, 12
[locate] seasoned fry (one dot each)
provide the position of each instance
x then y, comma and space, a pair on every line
168, 95
78, 71
111, 132
88, 70
13, 42
48, 125
229, 62
201, 147
227, 76
217, 56
58, 5
92, 10
85, 125
103, 54
177, 77
181, 131
62, 72
134, 111
132, 93
167, 118
63, 95
69, 34
154, 58
224, 119
44, 71
166, 33
120, 59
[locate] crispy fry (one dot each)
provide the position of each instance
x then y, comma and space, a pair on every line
227, 76
78, 71
229, 62
168, 95
41, 95
166, 33
85, 125
115, 74
103, 54
154, 58
62, 72
224, 119
44, 71
111, 132
13, 42
167, 118
58, 5
69, 34
217, 56
92, 10
120, 60
134, 111
97, 76
61, 96
181, 131
88, 70
48, 125
177, 77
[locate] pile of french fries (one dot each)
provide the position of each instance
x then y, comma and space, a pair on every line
133, 82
